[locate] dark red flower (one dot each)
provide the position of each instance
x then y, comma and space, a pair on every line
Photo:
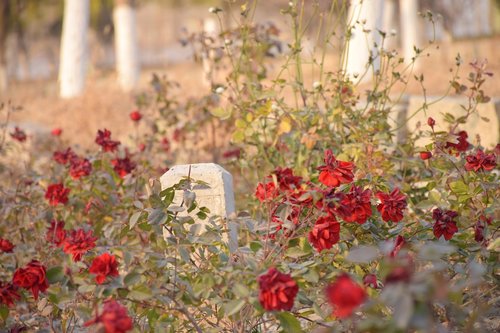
78, 243
370, 280
18, 134
355, 206
479, 231
31, 277
232, 153
8, 294
325, 233
398, 274
345, 296
425, 155
57, 194
277, 291
391, 205
123, 166
444, 223
334, 172
113, 319
56, 131
165, 145
480, 161
178, 135
135, 116
6, 246
266, 191
285, 178
56, 233
79, 167
103, 139
431, 122
63, 157
462, 144
398, 244
103, 266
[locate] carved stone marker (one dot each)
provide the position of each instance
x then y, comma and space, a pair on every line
218, 196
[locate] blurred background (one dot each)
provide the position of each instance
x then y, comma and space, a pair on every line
31, 35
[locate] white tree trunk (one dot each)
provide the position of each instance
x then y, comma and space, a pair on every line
126, 50
389, 24
410, 28
361, 45
74, 48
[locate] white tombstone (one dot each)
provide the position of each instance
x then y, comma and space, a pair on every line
218, 196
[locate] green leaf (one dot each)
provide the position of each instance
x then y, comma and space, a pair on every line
362, 254
233, 306
55, 274
134, 219
459, 187
221, 113
4, 312
140, 293
289, 323
240, 290
131, 278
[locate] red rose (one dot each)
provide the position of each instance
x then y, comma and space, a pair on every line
56, 131
285, 178
444, 224
56, 194
114, 318
103, 266
479, 231
103, 139
334, 172
6, 246
141, 147
399, 274
123, 166
63, 157
325, 233
135, 116
425, 155
18, 134
79, 167
56, 233
391, 205
277, 290
355, 206
462, 144
78, 243
8, 294
345, 296
31, 277
398, 244
266, 191
431, 122
370, 280
232, 153
480, 161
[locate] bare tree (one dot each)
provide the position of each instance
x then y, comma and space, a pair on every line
126, 50
4, 29
74, 48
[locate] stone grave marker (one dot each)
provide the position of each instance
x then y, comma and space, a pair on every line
218, 196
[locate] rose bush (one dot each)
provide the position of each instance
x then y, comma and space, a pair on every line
339, 228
